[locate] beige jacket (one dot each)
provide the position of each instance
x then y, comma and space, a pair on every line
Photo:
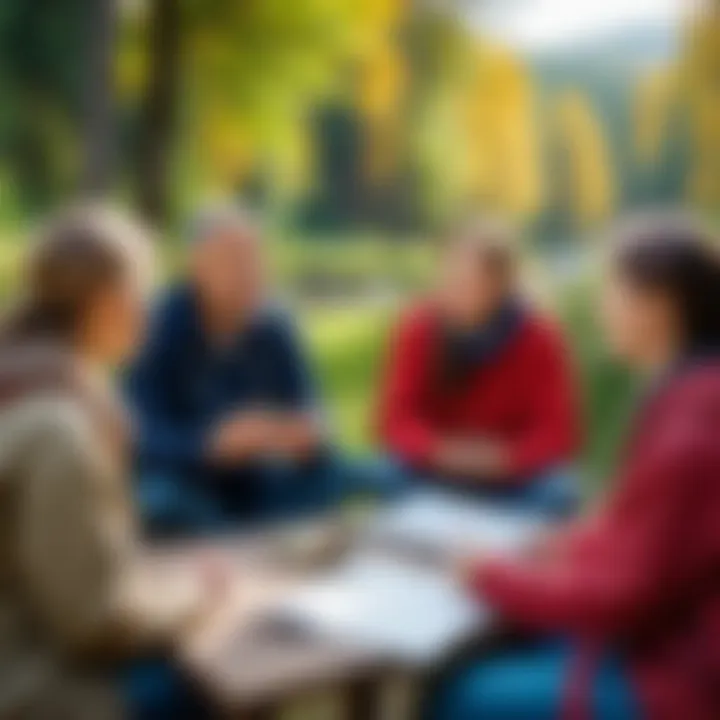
71, 599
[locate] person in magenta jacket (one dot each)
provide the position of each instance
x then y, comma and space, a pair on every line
479, 390
633, 589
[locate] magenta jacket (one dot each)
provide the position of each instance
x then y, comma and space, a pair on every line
642, 577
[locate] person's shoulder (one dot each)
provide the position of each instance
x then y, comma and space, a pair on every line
47, 417
417, 319
173, 302
685, 409
40, 376
274, 319
542, 331
685, 415
274, 327
173, 313
411, 330
696, 387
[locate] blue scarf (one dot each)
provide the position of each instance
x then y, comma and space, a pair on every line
464, 351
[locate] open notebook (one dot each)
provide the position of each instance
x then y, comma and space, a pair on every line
409, 610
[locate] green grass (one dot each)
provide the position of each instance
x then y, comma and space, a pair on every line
10, 253
607, 391
364, 256
347, 346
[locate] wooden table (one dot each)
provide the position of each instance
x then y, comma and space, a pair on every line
252, 670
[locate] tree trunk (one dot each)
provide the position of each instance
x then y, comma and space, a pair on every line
158, 114
100, 128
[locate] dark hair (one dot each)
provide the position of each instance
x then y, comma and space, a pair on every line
678, 257
79, 252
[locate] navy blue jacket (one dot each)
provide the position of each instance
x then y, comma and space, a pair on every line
181, 385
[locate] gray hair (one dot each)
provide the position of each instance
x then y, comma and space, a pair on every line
213, 219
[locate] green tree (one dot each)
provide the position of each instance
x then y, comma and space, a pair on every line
42, 76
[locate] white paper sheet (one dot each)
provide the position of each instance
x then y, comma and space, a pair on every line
445, 526
383, 604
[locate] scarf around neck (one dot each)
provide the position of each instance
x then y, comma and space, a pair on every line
464, 351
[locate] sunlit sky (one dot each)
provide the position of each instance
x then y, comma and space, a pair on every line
547, 24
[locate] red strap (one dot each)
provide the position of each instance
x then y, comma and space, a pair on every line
577, 704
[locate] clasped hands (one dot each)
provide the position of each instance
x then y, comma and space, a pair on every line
469, 459
255, 433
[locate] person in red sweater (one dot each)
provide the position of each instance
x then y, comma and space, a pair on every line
479, 392
634, 587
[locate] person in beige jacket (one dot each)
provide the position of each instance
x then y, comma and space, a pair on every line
75, 607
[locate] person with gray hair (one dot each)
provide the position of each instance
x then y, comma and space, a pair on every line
210, 219
228, 428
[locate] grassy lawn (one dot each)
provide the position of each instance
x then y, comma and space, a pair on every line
347, 345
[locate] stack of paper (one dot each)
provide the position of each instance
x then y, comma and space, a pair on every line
387, 599
382, 604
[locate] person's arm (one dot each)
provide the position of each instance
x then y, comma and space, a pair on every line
638, 566
470, 460
576, 537
296, 389
300, 428
77, 548
161, 436
403, 429
551, 431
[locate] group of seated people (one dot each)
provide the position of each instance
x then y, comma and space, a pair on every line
231, 430
615, 613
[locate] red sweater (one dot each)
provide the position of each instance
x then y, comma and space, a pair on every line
524, 396
643, 576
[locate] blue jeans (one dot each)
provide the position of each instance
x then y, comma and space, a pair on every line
530, 683
154, 689
181, 505
172, 504
552, 493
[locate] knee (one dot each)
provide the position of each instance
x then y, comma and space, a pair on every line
158, 495
476, 696
508, 687
169, 507
382, 476
556, 493
153, 689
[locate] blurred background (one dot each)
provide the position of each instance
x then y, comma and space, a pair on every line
360, 129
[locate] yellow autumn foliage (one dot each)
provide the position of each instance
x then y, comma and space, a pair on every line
262, 64
590, 176
700, 69
501, 135
656, 94
380, 97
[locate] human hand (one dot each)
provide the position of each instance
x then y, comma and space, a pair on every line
216, 575
297, 435
544, 547
243, 435
214, 579
473, 459
465, 568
